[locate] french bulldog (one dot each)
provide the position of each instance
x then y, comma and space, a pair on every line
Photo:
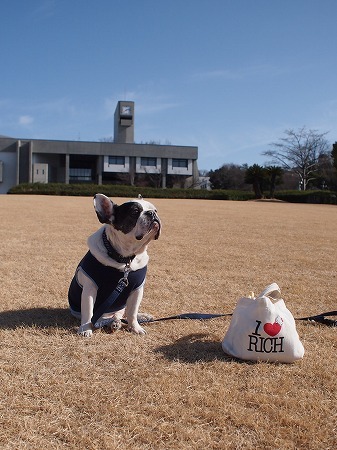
117, 251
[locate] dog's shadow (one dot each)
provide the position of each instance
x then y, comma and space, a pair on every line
37, 317
194, 348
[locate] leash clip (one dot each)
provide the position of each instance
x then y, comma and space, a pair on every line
127, 270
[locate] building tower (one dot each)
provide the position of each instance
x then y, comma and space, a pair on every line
124, 123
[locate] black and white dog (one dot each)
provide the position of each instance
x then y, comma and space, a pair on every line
117, 251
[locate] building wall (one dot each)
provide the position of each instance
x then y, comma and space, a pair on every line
8, 179
116, 168
143, 167
56, 166
25, 161
176, 170
62, 157
113, 149
124, 122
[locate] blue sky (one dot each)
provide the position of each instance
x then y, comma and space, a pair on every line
228, 76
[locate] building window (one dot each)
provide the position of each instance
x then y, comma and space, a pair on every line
182, 163
80, 174
146, 162
117, 160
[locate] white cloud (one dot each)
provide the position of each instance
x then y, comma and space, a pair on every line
26, 120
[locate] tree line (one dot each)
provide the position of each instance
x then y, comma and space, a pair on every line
302, 160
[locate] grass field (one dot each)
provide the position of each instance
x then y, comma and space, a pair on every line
173, 388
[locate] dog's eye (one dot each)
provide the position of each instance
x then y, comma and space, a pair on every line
135, 212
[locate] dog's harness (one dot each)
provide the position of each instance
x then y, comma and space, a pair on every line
113, 286
121, 285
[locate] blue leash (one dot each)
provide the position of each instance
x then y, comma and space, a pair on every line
319, 318
123, 283
106, 305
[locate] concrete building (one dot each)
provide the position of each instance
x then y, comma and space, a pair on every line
121, 161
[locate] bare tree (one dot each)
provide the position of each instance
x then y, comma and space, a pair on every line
106, 139
299, 151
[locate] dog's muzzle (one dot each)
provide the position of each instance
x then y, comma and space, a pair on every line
154, 223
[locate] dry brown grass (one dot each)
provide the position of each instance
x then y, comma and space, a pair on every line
173, 388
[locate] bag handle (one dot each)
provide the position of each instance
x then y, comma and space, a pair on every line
272, 291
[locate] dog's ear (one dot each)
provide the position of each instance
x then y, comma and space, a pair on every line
104, 208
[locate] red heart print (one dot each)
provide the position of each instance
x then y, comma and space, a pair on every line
272, 328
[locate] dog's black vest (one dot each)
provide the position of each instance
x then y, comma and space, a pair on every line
106, 279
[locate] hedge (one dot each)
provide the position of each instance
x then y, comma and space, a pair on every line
89, 190
127, 191
325, 197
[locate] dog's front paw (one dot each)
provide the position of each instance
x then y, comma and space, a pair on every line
87, 333
85, 330
136, 328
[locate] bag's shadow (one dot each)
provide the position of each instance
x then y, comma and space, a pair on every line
194, 348
38, 317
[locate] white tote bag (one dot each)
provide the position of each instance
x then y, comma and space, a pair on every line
263, 329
